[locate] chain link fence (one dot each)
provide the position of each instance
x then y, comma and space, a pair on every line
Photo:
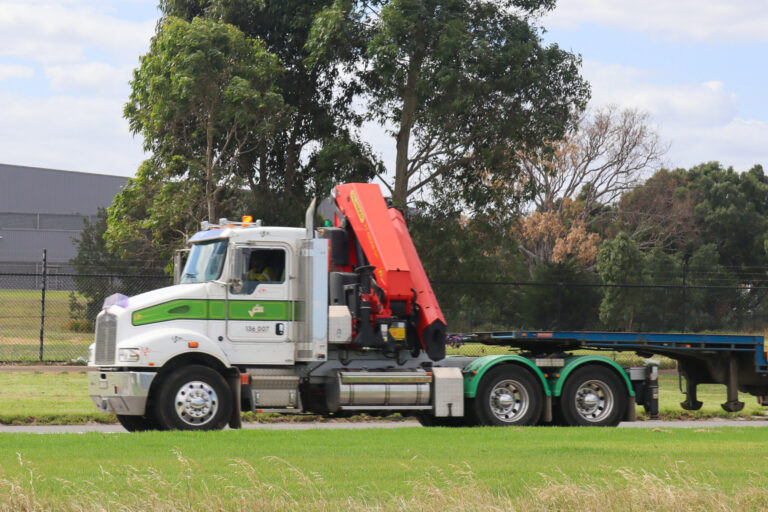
476, 306
50, 317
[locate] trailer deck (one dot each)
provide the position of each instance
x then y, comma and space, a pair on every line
737, 361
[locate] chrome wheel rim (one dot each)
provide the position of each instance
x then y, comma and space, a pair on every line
509, 401
196, 403
594, 401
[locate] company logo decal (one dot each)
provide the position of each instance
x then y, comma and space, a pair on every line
258, 308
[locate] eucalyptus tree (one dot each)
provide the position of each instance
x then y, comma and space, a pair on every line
463, 84
204, 97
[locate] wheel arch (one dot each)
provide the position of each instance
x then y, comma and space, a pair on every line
580, 361
474, 372
198, 358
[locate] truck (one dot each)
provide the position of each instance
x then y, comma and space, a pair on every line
339, 318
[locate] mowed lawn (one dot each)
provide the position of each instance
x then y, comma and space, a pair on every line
61, 397
537, 468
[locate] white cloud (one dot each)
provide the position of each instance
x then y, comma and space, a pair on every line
65, 132
16, 71
51, 33
739, 143
705, 104
697, 20
87, 49
90, 77
698, 119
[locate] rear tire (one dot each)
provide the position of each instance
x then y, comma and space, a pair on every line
194, 398
593, 396
138, 423
508, 396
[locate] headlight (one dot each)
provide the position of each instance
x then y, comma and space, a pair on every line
128, 355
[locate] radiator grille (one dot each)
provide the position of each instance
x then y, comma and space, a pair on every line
106, 335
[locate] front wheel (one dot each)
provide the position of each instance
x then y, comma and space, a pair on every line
593, 396
507, 396
194, 398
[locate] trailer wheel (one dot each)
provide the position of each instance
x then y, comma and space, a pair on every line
138, 423
194, 398
593, 396
508, 395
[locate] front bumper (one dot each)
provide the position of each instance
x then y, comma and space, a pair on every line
120, 392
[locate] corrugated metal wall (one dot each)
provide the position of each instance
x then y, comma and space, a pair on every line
43, 209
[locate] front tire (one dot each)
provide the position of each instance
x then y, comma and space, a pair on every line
508, 396
194, 398
593, 396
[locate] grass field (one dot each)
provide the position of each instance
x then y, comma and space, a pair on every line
20, 327
62, 398
401, 469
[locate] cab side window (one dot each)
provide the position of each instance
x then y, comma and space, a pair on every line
262, 266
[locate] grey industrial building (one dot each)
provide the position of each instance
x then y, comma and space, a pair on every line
44, 209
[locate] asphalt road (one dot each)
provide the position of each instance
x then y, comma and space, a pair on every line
115, 429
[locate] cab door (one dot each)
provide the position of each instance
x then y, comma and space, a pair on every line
260, 313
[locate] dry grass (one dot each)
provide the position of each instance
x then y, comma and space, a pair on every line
440, 490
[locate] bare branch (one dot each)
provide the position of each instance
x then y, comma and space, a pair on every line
607, 153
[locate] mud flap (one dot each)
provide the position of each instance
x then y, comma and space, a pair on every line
631, 413
546, 412
235, 421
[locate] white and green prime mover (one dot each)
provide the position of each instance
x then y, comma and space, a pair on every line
194, 355
322, 337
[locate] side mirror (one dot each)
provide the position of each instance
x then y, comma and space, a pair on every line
236, 285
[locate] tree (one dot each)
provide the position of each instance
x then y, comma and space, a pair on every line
153, 215
731, 211
464, 84
552, 305
620, 262
682, 210
454, 248
317, 146
575, 181
97, 268
716, 307
660, 214
204, 97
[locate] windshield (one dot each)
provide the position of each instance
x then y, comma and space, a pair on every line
205, 262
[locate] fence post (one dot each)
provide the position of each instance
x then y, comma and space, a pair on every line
42, 301
685, 295
559, 294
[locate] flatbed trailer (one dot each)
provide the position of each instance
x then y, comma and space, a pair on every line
736, 361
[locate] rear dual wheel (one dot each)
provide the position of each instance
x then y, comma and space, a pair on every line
508, 396
593, 396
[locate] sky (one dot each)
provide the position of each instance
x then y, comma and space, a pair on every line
698, 67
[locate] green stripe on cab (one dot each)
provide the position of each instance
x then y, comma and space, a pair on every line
202, 309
